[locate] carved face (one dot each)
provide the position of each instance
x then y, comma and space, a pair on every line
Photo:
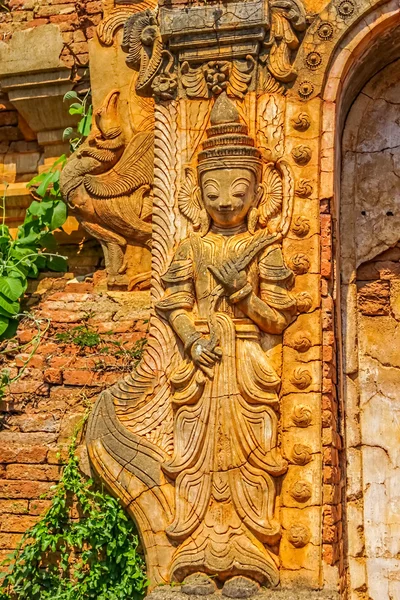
228, 195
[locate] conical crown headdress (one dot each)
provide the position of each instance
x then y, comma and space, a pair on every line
228, 144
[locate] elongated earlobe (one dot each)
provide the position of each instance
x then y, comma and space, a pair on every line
252, 219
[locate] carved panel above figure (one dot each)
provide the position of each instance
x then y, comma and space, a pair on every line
210, 49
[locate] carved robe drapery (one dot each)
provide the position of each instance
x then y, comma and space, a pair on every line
225, 426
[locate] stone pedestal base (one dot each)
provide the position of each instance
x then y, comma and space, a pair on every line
175, 593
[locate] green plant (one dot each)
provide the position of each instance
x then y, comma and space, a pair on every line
81, 335
42, 326
33, 248
63, 558
84, 108
30, 251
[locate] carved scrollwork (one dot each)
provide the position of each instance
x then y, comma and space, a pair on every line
302, 415
301, 491
301, 454
301, 378
300, 263
146, 53
299, 536
301, 226
287, 18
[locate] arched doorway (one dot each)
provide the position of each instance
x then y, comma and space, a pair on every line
369, 248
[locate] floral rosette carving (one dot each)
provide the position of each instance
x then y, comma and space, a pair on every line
304, 188
301, 491
301, 342
301, 454
301, 154
301, 226
301, 378
299, 263
301, 122
302, 416
299, 536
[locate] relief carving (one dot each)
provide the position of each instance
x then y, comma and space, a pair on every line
299, 536
199, 438
302, 416
301, 454
107, 184
213, 51
301, 491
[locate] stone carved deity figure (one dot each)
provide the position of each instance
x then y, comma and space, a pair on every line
226, 284
193, 451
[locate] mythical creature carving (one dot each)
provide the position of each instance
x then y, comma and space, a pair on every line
192, 449
107, 183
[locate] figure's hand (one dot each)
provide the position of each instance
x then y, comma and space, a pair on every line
230, 277
204, 355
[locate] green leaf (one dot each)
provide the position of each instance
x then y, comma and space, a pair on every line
11, 288
46, 181
4, 321
59, 215
57, 263
75, 109
71, 95
11, 329
85, 124
68, 131
8, 306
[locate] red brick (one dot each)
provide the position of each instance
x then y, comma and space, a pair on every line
41, 422
17, 523
9, 541
71, 297
38, 507
29, 386
94, 7
8, 118
16, 507
76, 377
64, 19
35, 473
10, 453
36, 361
53, 376
23, 489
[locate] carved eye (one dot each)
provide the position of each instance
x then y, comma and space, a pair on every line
211, 190
239, 187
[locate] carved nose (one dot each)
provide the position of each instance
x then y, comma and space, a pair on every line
225, 203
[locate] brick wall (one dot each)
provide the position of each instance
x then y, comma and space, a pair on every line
76, 20
332, 535
40, 411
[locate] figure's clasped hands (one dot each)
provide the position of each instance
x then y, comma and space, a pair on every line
230, 277
204, 355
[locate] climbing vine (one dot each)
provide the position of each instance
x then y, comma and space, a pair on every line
62, 557
33, 248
